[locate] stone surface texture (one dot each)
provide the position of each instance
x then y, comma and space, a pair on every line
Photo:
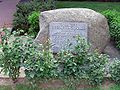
112, 51
62, 33
98, 30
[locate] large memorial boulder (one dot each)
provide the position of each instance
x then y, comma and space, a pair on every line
62, 24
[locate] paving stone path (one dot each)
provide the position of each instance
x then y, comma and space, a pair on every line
7, 9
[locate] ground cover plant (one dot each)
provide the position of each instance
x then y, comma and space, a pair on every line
115, 71
15, 51
69, 65
23, 51
79, 63
40, 64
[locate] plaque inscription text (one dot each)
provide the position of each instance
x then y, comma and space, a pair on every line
62, 32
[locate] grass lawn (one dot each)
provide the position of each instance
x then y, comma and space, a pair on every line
97, 6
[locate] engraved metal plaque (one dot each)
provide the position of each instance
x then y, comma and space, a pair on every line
62, 32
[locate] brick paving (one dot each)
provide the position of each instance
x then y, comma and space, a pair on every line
7, 9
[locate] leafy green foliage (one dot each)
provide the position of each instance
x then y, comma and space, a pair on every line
72, 63
14, 52
114, 24
33, 19
22, 13
25, 9
115, 70
10, 58
80, 63
23, 51
41, 65
96, 64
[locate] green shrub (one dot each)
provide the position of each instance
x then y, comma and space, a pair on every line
72, 64
115, 70
40, 66
80, 63
14, 53
11, 57
20, 21
96, 64
114, 25
33, 19
22, 51
23, 11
